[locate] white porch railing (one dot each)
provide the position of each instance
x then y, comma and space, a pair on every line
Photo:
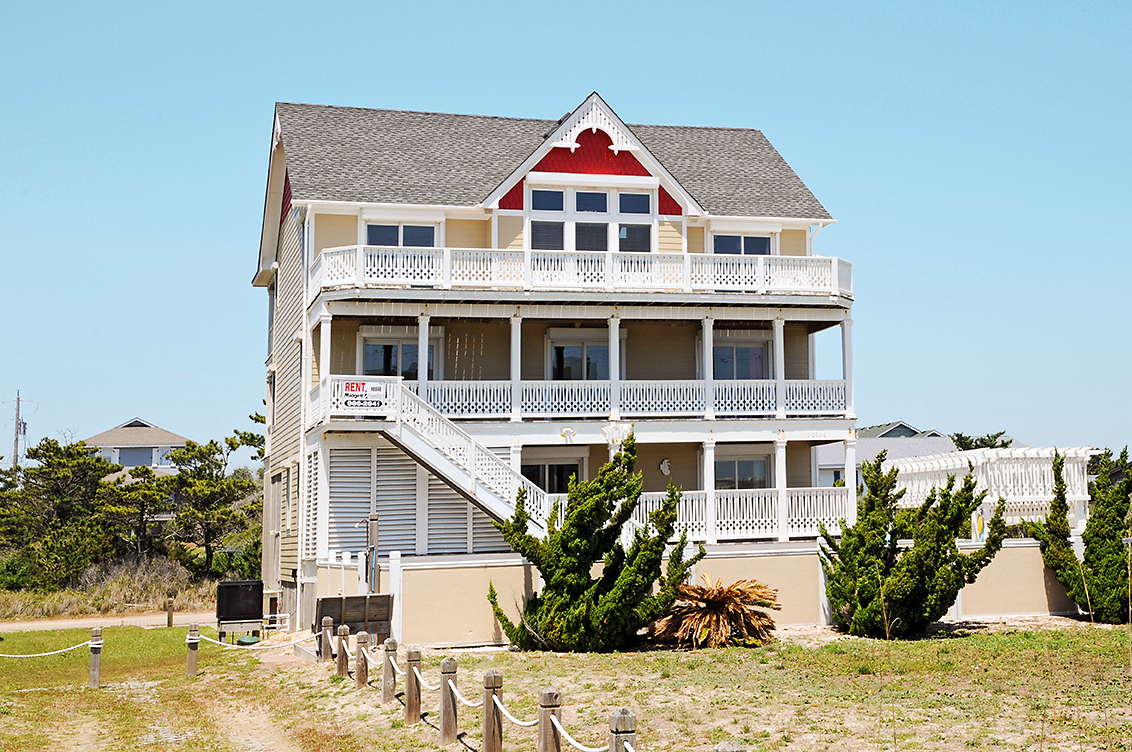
644, 399
470, 399
807, 508
583, 399
815, 397
745, 397
373, 266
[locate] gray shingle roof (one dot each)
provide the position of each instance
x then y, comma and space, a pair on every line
136, 433
400, 157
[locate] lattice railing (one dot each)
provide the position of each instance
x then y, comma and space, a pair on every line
470, 399
752, 397
662, 398
746, 514
809, 507
565, 398
815, 397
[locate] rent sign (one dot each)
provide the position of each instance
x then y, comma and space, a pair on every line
364, 396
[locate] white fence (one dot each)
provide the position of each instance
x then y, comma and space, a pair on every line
446, 268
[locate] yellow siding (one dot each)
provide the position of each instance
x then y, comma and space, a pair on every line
477, 351
792, 243
683, 461
669, 237
344, 346
660, 350
288, 554
695, 240
510, 232
798, 465
796, 351
467, 233
334, 230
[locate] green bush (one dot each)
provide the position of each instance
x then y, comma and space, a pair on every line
576, 612
875, 587
1099, 583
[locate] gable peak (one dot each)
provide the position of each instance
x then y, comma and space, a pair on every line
594, 114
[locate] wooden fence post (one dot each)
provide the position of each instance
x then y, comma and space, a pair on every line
388, 676
622, 728
343, 656
324, 649
412, 686
193, 644
549, 703
492, 718
169, 612
95, 657
447, 701
361, 663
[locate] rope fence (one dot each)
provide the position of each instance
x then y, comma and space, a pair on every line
44, 655
507, 714
423, 683
574, 742
461, 698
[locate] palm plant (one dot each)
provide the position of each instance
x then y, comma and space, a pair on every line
719, 615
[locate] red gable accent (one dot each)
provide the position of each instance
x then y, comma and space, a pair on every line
514, 198
668, 205
592, 157
286, 197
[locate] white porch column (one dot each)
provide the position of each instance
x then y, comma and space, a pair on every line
780, 487
517, 457
614, 368
779, 369
422, 356
851, 481
323, 347
709, 490
847, 365
709, 374
516, 369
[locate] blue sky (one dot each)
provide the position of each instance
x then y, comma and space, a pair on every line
975, 155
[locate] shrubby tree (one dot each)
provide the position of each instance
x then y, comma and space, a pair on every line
576, 612
131, 505
963, 442
1099, 583
875, 587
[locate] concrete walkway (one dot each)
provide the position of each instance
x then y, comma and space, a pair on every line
150, 619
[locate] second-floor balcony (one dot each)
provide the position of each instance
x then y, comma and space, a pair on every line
494, 400
578, 271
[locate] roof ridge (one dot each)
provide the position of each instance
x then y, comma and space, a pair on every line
415, 112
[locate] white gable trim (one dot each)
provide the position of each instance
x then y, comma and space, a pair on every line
588, 115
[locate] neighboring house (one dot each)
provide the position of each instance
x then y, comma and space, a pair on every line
899, 439
462, 306
137, 442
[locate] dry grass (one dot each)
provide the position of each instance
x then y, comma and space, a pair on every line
121, 587
720, 615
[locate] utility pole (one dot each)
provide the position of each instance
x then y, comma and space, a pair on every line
16, 441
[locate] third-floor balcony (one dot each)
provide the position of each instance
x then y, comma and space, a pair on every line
361, 267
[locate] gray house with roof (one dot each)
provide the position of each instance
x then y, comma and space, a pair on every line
463, 306
138, 442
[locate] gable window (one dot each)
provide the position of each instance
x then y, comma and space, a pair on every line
415, 236
635, 203
588, 201
747, 245
548, 236
547, 200
635, 238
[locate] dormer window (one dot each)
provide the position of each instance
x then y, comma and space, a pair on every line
414, 236
547, 200
588, 201
635, 203
747, 245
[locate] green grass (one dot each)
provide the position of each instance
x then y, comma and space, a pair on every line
1066, 689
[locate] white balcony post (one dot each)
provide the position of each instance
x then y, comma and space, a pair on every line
324, 349
422, 356
360, 267
709, 368
847, 365
516, 368
851, 481
446, 272
709, 491
614, 368
779, 369
780, 487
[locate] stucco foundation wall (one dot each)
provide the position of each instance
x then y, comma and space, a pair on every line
796, 577
449, 605
1016, 582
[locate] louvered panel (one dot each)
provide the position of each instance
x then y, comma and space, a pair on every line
310, 507
485, 538
447, 519
350, 483
396, 502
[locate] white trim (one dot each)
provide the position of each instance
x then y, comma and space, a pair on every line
743, 226
596, 181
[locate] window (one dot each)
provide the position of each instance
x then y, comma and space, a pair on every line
636, 238
740, 473
591, 236
551, 477
586, 201
635, 203
742, 244
394, 359
547, 236
583, 362
415, 236
739, 362
547, 200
